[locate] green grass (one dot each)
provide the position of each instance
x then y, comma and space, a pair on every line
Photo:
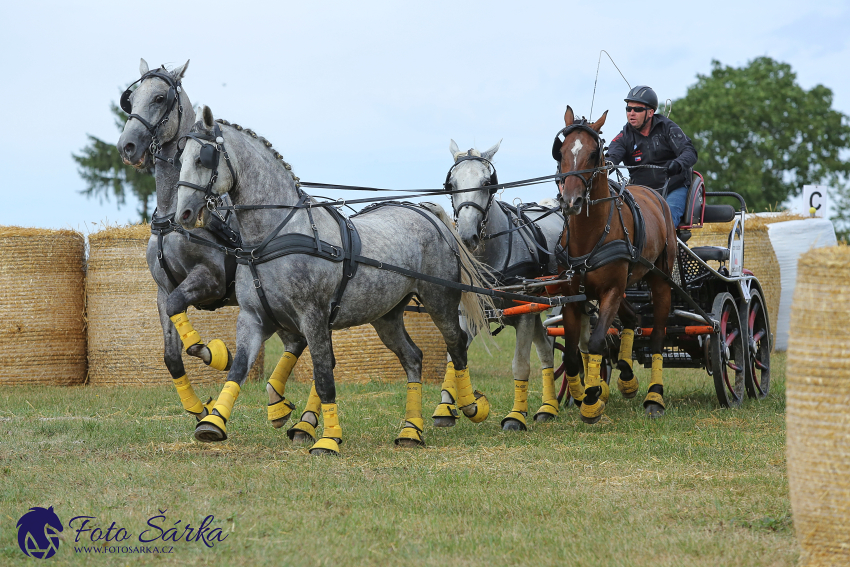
702, 486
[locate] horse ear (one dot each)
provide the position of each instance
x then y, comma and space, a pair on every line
597, 126
569, 116
143, 67
488, 155
179, 72
209, 121
454, 149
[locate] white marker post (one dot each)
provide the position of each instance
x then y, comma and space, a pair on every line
815, 200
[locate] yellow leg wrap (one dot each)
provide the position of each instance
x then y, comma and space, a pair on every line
520, 409
221, 359
467, 397
191, 402
331, 434
448, 391
584, 359
280, 410
283, 370
550, 405
314, 405
187, 333
591, 409
606, 392
576, 388
656, 383
627, 340
223, 407
414, 425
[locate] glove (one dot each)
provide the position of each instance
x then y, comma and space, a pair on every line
673, 167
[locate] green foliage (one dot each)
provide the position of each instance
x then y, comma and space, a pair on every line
760, 134
104, 172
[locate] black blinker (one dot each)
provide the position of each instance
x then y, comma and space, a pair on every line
209, 155
556, 149
124, 103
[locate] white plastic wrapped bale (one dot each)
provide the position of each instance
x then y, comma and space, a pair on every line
790, 240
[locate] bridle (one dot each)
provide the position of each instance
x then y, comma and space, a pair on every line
556, 154
210, 157
492, 182
172, 98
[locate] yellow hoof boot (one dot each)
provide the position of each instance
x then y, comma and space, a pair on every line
478, 411
654, 403
280, 411
548, 411
410, 436
591, 413
220, 356
514, 421
606, 392
211, 429
628, 388
445, 415
302, 432
325, 446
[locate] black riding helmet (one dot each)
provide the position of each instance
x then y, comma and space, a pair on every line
643, 94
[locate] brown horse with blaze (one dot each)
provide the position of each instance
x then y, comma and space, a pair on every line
610, 241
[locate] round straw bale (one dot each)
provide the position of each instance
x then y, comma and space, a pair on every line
42, 306
124, 330
361, 356
759, 256
818, 397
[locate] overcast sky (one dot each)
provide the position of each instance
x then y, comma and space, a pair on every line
370, 93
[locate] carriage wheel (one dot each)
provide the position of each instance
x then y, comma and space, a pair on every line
754, 318
727, 352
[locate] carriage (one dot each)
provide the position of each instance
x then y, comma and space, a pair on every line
718, 319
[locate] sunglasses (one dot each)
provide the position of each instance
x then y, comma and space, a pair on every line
637, 109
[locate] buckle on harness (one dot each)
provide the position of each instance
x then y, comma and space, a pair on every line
257, 284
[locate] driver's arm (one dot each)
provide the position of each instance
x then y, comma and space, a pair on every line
616, 149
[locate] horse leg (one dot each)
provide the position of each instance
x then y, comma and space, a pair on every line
521, 367
318, 336
654, 402
584, 348
442, 306
174, 363
627, 383
594, 386
250, 339
199, 286
391, 331
280, 408
572, 359
445, 414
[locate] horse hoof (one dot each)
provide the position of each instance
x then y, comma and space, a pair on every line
543, 417
208, 433
513, 425
654, 410
320, 452
444, 421
278, 423
590, 420
408, 443
301, 438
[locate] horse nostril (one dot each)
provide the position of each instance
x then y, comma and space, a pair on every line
578, 202
186, 214
129, 148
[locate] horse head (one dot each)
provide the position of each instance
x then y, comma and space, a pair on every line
579, 156
203, 175
157, 105
472, 170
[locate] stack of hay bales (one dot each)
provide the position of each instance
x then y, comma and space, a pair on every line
759, 256
361, 356
818, 397
124, 331
42, 322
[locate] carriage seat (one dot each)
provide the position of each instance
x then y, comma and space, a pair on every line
716, 253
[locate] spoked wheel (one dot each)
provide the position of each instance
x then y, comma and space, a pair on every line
754, 318
727, 352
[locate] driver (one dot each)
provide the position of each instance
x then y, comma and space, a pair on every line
655, 140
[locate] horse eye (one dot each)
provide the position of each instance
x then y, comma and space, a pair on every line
159, 99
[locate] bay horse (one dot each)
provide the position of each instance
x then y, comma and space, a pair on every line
306, 269
186, 272
611, 240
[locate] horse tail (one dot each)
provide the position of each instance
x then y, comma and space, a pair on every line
473, 304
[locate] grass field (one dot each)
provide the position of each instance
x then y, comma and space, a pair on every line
702, 486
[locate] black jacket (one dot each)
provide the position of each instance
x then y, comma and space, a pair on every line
666, 142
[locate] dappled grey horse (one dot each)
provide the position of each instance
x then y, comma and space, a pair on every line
309, 270
186, 271
514, 244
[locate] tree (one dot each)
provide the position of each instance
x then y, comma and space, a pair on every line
101, 167
760, 134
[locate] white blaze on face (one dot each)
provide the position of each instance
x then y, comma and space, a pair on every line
576, 149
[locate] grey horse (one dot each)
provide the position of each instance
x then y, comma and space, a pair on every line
307, 269
498, 236
186, 271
